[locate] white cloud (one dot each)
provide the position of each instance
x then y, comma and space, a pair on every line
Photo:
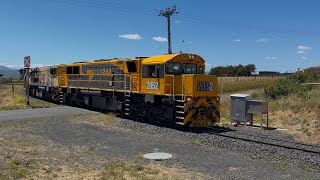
39, 65
263, 40
304, 48
14, 66
236, 40
130, 36
208, 65
160, 39
19, 66
177, 22
272, 57
302, 51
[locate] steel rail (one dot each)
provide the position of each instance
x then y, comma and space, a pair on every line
251, 139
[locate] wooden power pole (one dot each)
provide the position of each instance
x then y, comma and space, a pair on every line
167, 13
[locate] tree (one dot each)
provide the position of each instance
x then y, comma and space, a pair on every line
250, 68
239, 70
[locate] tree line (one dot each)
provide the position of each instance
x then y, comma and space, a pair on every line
239, 70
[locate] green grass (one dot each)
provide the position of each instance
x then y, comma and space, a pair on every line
119, 169
17, 169
256, 156
282, 164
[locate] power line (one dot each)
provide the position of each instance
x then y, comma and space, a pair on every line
108, 5
231, 24
196, 19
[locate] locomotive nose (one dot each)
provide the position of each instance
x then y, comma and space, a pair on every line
202, 111
202, 107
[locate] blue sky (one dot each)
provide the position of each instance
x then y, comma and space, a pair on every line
275, 35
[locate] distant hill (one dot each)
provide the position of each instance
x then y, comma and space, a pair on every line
14, 74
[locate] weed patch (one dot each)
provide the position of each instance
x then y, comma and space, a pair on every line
119, 169
17, 169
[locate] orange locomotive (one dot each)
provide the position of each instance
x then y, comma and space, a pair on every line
172, 88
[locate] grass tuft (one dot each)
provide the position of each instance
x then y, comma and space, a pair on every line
17, 169
119, 169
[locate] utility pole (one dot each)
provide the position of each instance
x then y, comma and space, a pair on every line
167, 13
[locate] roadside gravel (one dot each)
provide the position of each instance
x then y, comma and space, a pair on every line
202, 153
254, 150
76, 142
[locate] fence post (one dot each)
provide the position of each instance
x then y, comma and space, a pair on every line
12, 90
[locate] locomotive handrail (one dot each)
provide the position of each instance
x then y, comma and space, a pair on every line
182, 86
171, 85
123, 79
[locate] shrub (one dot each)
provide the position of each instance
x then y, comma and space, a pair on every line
292, 84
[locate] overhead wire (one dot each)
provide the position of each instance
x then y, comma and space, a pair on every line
108, 5
126, 8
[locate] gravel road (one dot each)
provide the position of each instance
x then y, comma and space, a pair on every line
125, 140
42, 112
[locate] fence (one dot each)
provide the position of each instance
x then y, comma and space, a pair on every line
246, 78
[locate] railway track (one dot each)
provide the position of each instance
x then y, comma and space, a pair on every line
254, 138
227, 133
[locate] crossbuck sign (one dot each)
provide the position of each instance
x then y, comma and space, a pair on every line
27, 61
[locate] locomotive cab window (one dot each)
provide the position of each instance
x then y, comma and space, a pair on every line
73, 70
53, 71
173, 68
189, 68
201, 70
131, 65
153, 71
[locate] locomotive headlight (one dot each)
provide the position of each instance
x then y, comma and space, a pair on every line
189, 99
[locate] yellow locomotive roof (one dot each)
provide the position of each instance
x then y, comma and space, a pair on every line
161, 59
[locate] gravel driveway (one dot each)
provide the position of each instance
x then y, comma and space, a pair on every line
75, 138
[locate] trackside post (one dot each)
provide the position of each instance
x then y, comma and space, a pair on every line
27, 65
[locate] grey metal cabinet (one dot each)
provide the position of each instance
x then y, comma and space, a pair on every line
239, 108
258, 107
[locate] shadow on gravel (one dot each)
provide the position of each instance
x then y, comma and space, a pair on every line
214, 129
256, 126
